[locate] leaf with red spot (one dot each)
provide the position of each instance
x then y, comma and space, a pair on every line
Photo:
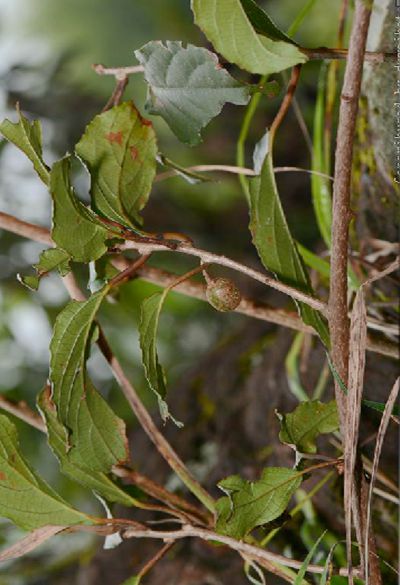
119, 150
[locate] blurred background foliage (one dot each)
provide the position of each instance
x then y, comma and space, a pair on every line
47, 48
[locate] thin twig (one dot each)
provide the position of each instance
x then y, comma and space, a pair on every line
285, 105
156, 491
237, 171
129, 272
22, 411
117, 72
323, 53
377, 454
253, 552
210, 258
318, 53
163, 278
154, 559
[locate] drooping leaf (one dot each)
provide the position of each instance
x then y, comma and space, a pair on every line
231, 30
119, 149
301, 427
155, 376
77, 469
51, 259
262, 23
249, 504
187, 86
96, 435
275, 245
75, 227
26, 499
27, 136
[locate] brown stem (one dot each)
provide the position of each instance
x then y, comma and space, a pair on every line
158, 492
22, 411
338, 316
258, 554
285, 105
322, 53
129, 272
154, 559
338, 319
163, 278
118, 93
210, 258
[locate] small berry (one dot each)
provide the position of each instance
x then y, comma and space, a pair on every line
223, 294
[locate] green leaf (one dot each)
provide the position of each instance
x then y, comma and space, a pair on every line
95, 434
231, 30
77, 470
27, 136
250, 504
25, 498
53, 258
301, 427
275, 245
262, 23
132, 581
75, 229
321, 186
119, 149
187, 86
313, 261
303, 569
155, 376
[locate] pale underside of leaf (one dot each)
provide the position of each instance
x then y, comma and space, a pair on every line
226, 24
251, 504
96, 434
119, 149
187, 86
25, 498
